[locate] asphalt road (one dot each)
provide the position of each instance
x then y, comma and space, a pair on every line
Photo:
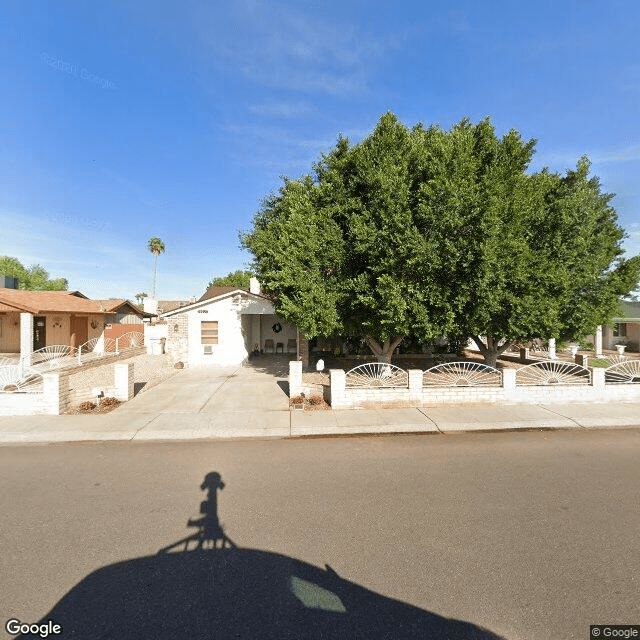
528, 535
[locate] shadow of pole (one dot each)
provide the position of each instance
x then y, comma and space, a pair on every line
210, 532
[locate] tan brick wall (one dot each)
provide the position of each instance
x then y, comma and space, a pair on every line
178, 337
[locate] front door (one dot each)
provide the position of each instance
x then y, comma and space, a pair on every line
39, 332
79, 330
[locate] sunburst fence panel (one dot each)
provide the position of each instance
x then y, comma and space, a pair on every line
15, 378
625, 371
130, 340
552, 372
96, 348
376, 375
52, 357
462, 374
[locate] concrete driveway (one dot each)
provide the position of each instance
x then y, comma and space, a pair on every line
204, 400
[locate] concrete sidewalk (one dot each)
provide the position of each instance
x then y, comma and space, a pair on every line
214, 420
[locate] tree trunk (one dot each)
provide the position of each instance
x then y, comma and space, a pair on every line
153, 281
491, 348
383, 352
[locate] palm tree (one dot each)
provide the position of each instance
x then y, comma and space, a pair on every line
156, 246
140, 297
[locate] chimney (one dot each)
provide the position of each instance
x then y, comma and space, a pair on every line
254, 285
150, 305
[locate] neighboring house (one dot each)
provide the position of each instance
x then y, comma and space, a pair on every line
624, 329
225, 325
30, 320
164, 306
124, 317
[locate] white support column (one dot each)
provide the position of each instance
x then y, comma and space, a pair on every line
598, 377
56, 392
552, 349
123, 380
599, 341
415, 384
509, 383
338, 386
295, 378
26, 338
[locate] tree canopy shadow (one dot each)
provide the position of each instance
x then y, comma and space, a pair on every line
204, 586
276, 365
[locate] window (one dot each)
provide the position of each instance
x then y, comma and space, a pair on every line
209, 333
620, 330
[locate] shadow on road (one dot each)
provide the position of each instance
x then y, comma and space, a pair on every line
204, 586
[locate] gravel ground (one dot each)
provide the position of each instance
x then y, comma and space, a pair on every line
148, 371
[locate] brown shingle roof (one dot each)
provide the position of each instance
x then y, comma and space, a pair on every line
164, 306
48, 301
219, 290
118, 305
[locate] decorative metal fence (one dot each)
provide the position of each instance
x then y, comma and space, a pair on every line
625, 372
51, 357
552, 372
96, 348
131, 340
15, 378
380, 375
376, 375
462, 374
24, 375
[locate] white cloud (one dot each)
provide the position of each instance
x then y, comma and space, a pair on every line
629, 153
284, 47
282, 109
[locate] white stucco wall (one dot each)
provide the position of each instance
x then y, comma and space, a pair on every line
238, 330
243, 322
267, 322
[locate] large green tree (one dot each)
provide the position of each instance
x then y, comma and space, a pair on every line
429, 233
34, 278
344, 251
547, 257
237, 278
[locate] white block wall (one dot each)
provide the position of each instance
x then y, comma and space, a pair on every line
508, 393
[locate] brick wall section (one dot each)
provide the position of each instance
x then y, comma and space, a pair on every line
178, 337
59, 393
104, 360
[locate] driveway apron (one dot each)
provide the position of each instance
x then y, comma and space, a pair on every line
211, 402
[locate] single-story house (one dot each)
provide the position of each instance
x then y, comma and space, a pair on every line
30, 320
124, 317
624, 329
226, 325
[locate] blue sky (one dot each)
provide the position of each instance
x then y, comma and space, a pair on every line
124, 120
